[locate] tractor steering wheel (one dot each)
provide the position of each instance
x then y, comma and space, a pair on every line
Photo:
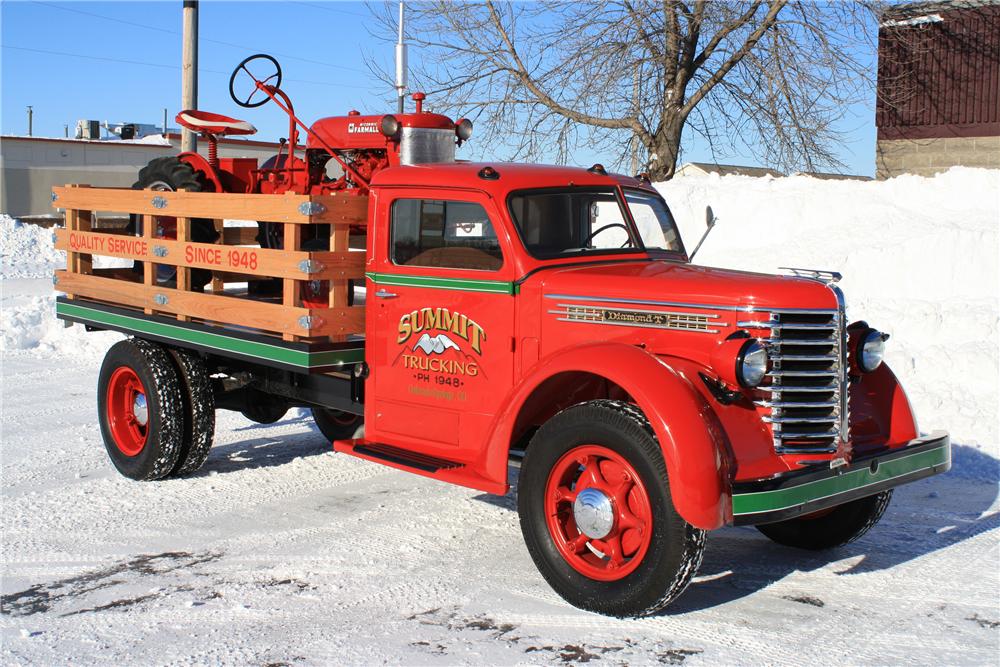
242, 67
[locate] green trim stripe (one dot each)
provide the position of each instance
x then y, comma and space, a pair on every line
489, 286
779, 499
215, 341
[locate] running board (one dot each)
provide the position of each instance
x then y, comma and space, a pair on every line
395, 456
405, 458
425, 465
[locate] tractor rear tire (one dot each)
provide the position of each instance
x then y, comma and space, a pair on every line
621, 550
169, 174
199, 412
141, 409
831, 528
337, 425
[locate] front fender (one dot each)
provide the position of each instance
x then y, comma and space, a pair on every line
692, 443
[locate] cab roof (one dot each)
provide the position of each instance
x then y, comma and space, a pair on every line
512, 176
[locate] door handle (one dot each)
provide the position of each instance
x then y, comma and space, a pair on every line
383, 294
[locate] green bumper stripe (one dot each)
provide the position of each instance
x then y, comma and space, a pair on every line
490, 286
779, 499
214, 341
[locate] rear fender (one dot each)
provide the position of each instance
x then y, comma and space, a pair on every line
690, 438
200, 163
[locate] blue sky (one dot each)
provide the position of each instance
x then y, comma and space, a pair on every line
119, 61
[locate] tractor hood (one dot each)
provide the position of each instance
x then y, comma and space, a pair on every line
677, 283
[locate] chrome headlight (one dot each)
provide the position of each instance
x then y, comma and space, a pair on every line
751, 364
871, 350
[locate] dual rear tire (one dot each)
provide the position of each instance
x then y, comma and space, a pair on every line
156, 410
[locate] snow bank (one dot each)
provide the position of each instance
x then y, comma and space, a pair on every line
26, 251
919, 258
28, 323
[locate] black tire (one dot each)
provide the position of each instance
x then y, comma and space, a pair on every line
337, 425
199, 412
843, 524
170, 174
164, 428
675, 548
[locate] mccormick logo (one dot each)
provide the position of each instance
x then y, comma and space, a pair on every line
439, 335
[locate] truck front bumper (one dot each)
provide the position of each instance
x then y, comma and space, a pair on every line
801, 492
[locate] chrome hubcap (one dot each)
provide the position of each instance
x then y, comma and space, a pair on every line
594, 513
139, 409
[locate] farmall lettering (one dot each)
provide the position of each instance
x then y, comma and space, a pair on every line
438, 355
362, 128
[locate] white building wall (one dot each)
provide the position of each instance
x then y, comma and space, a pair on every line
31, 166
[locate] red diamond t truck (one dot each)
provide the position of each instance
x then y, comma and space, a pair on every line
450, 318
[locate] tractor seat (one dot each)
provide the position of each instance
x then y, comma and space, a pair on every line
213, 123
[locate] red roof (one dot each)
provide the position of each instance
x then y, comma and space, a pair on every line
513, 176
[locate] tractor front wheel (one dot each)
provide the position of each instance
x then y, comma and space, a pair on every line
141, 409
596, 512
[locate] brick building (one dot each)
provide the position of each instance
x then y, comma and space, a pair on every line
938, 102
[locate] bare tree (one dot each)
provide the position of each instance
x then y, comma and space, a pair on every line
626, 75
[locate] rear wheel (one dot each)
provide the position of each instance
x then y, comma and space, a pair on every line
169, 174
596, 513
337, 425
140, 409
830, 528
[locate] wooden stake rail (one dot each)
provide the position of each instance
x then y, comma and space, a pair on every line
231, 257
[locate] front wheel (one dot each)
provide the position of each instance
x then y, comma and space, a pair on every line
830, 528
596, 512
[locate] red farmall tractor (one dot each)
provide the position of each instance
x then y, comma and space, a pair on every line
352, 148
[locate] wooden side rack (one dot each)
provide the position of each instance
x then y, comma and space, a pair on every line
236, 261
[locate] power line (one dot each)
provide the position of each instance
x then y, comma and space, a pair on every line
162, 66
330, 9
204, 39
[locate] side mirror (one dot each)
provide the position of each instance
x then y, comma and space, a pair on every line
710, 221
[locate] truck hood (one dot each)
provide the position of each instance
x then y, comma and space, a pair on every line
680, 283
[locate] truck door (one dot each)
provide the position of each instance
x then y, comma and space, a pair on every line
442, 305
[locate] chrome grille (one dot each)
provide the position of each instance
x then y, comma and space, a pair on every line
807, 406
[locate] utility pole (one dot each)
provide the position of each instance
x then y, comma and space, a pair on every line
30, 114
164, 123
189, 70
635, 110
400, 63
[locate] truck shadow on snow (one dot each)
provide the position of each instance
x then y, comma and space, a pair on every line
266, 452
924, 517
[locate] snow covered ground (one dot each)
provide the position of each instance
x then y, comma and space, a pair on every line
282, 553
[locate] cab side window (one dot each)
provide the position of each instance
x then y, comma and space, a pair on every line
443, 234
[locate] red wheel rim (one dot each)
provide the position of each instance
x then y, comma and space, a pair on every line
128, 415
627, 541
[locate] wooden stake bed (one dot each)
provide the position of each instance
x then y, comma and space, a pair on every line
227, 303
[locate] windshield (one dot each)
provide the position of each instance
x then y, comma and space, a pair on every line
557, 223
653, 220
